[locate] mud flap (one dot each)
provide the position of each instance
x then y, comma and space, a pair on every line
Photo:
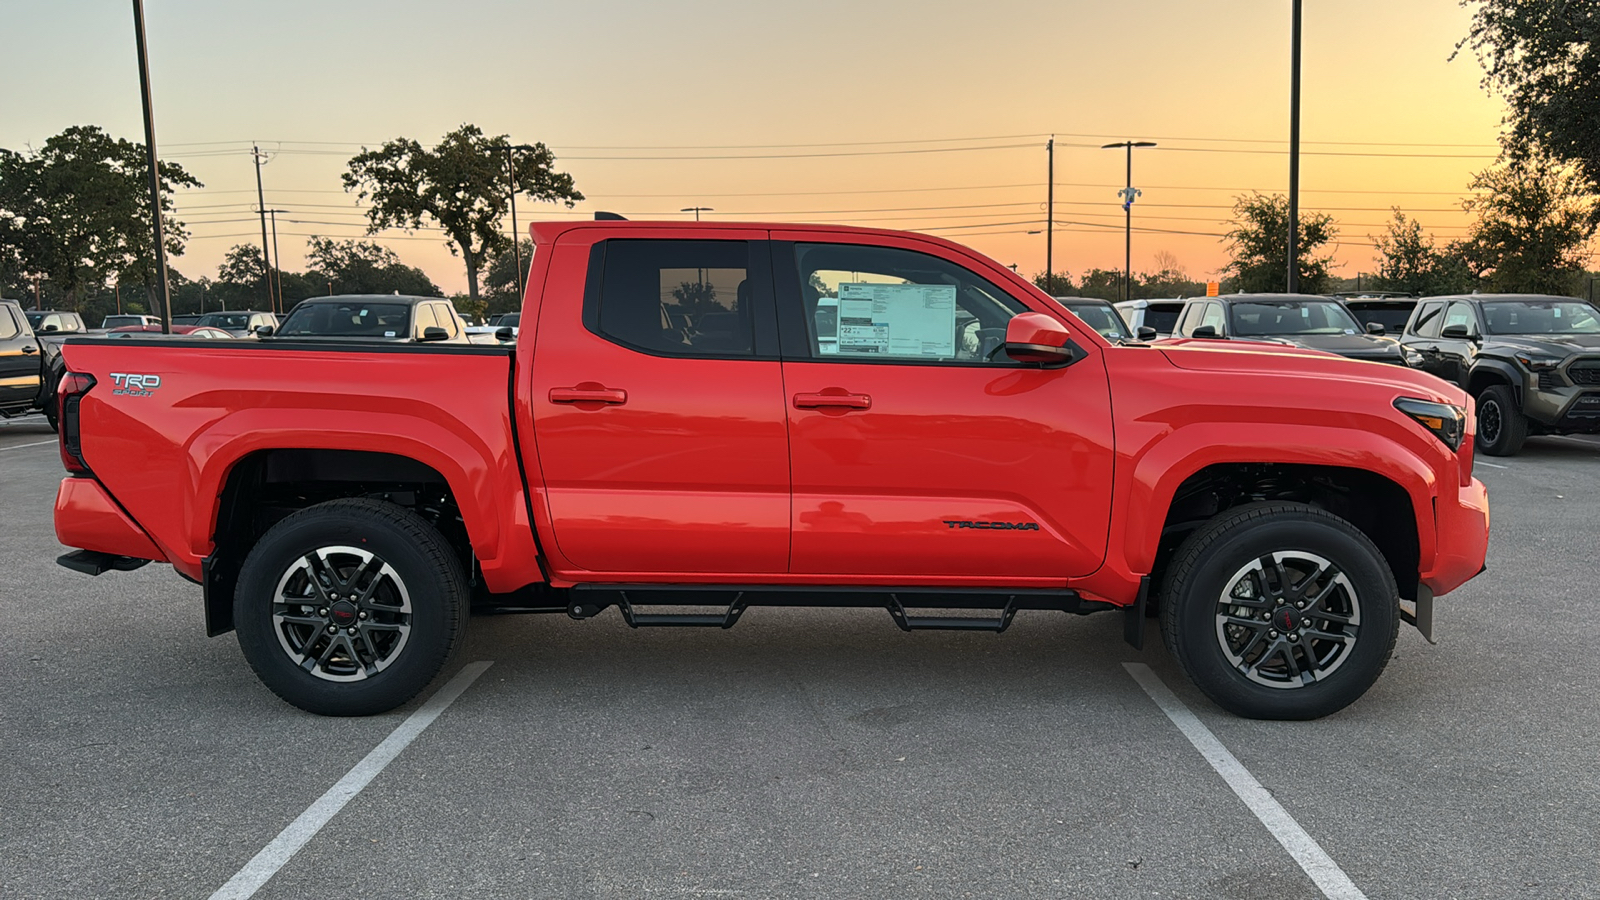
1133, 616
1419, 612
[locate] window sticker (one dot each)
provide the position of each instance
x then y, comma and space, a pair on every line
899, 320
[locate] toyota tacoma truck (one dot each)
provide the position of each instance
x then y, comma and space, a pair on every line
703, 418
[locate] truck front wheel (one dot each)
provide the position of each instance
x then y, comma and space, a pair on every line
350, 607
1280, 611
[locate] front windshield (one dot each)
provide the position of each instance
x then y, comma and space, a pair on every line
1289, 317
1541, 317
509, 320
1103, 319
225, 320
385, 321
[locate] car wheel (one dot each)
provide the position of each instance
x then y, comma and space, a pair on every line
1501, 425
1280, 611
350, 607
51, 417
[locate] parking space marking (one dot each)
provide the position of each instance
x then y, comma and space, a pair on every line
1489, 464
21, 446
260, 870
1329, 878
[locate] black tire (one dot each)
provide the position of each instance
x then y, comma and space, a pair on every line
1501, 425
1232, 651
51, 417
403, 611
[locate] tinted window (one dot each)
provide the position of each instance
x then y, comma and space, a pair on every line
689, 298
1461, 314
1392, 318
1103, 319
122, 321
509, 320
1427, 322
1163, 318
1266, 317
8, 324
352, 318
1541, 317
884, 303
225, 320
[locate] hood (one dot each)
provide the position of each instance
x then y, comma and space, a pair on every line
1267, 359
1354, 346
1547, 344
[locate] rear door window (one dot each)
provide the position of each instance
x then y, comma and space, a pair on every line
8, 324
675, 298
1426, 323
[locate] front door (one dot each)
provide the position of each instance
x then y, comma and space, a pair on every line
658, 405
918, 448
19, 361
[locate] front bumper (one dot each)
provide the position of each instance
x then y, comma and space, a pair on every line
1462, 526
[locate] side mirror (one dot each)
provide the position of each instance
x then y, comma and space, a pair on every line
505, 334
264, 330
435, 333
1037, 338
1205, 331
1146, 333
1376, 328
1456, 333
48, 328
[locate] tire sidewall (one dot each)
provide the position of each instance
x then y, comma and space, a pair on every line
1506, 440
1195, 606
437, 596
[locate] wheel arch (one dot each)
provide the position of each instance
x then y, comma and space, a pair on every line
1488, 372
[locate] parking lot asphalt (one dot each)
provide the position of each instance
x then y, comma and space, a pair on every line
814, 753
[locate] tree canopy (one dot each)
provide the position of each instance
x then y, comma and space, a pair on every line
1535, 218
1410, 261
1258, 244
461, 185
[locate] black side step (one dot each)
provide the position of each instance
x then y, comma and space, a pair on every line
592, 599
93, 562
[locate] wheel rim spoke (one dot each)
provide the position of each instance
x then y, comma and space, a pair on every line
342, 613
1288, 619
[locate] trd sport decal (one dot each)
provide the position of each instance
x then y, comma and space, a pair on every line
993, 526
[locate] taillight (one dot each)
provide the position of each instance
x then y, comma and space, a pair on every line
69, 394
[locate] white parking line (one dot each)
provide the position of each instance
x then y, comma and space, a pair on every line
260, 870
1491, 465
1333, 882
20, 446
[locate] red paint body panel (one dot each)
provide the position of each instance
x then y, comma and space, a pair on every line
712, 471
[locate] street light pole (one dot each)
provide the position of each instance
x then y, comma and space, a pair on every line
155, 172
1128, 195
1293, 280
1050, 216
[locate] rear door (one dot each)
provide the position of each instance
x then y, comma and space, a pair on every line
918, 448
19, 361
657, 401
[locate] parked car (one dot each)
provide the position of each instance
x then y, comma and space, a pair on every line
1101, 316
187, 319
1388, 309
204, 332
240, 323
372, 317
1532, 361
501, 329
123, 321
21, 362
342, 504
1299, 320
51, 321
1160, 314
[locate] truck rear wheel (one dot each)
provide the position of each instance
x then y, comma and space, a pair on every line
1280, 611
350, 607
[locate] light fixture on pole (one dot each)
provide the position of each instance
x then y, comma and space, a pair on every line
1128, 195
155, 172
697, 210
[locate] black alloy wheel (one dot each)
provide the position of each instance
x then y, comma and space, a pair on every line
1502, 428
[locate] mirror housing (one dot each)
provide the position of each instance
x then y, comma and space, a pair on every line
1205, 331
48, 328
505, 334
435, 333
1376, 328
1146, 333
1456, 333
264, 330
1033, 337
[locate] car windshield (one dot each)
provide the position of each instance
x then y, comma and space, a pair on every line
225, 320
1541, 317
385, 321
122, 321
1283, 317
1103, 319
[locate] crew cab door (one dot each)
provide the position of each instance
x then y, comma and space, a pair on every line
657, 400
1455, 354
918, 448
19, 361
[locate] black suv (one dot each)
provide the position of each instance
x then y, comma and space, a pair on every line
1532, 361
1299, 320
20, 362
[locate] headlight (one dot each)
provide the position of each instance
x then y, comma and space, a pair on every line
1448, 423
1538, 363
1413, 358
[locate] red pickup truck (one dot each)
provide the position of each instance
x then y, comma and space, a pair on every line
699, 418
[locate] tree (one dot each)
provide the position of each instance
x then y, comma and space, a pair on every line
362, 267
1258, 244
1535, 220
77, 211
500, 281
1105, 284
1544, 58
1056, 284
1409, 261
461, 185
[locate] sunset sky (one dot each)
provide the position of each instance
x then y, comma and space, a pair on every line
928, 115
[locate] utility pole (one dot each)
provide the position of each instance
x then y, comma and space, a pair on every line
278, 305
261, 204
1128, 195
516, 236
1050, 216
697, 210
155, 173
1294, 155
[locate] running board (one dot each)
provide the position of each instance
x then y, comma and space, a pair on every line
590, 600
